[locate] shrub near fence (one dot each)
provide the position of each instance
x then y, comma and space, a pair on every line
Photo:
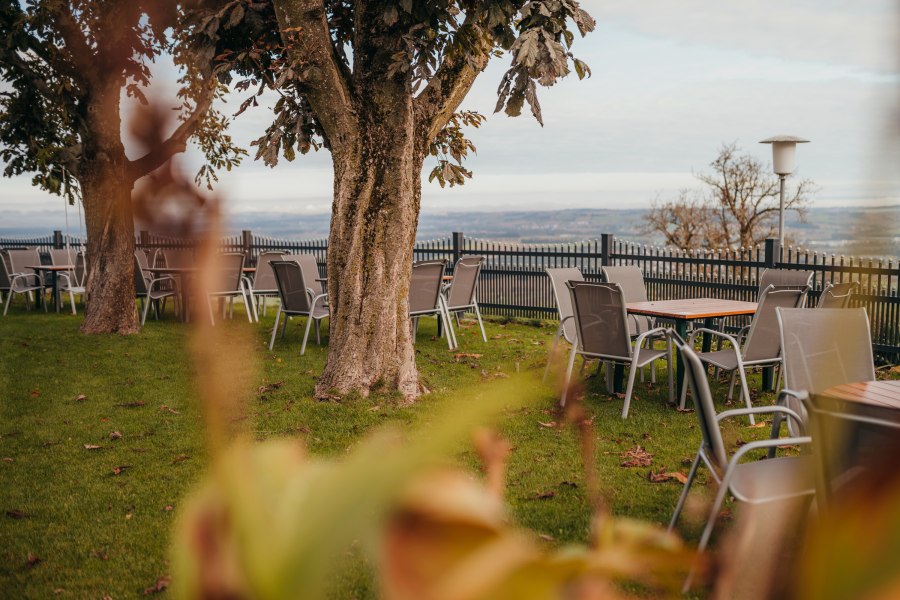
513, 281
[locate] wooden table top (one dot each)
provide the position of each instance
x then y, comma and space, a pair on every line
879, 393
692, 308
51, 267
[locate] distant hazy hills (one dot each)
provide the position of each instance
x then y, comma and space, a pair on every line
870, 231
867, 231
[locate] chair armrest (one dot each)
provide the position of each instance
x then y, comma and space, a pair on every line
760, 444
756, 410
24, 276
153, 282
715, 333
650, 332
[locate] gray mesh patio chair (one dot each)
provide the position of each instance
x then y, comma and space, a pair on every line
460, 295
760, 348
5, 270
566, 329
13, 283
22, 279
821, 349
754, 482
263, 283
631, 279
601, 328
837, 295
230, 285
425, 296
151, 291
73, 282
297, 298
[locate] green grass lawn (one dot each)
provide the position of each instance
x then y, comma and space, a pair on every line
101, 437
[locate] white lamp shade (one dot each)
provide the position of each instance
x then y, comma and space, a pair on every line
784, 157
784, 152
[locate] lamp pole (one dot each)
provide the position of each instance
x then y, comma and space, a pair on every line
781, 211
783, 162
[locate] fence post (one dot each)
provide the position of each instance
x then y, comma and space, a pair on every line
772, 252
246, 243
606, 245
457, 241
57, 239
144, 239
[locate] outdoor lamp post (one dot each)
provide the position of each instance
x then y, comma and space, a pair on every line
784, 155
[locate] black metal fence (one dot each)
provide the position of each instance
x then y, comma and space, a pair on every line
513, 281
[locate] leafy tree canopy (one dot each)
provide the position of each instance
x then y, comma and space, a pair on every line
58, 55
434, 47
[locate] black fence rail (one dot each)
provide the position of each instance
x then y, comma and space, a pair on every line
514, 282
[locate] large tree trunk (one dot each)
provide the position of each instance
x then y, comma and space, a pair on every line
377, 193
106, 190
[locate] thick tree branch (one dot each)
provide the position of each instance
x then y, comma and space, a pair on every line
82, 56
446, 91
307, 37
177, 142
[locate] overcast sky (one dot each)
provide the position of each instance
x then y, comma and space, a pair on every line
672, 82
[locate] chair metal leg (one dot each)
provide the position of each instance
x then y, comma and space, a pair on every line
731, 385
309, 321
72, 301
552, 352
684, 493
9, 298
146, 304
745, 390
212, 316
684, 389
707, 531
562, 400
671, 370
632, 372
480, 323
275, 328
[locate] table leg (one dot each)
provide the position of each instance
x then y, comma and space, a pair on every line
707, 339
56, 299
619, 378
681, 330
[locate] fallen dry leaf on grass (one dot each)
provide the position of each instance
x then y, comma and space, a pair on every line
636, 457
544, 495
92, 447
120, 469
759, 425
180, 458
16, 514
8, 459
269, 387
460, 355
135, 404
169, 409
32, 560
550, 424
684, 410
662, 476
80, 398
161, 584
114, 435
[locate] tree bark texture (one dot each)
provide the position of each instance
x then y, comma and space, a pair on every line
106, 191
379, 135
377, 193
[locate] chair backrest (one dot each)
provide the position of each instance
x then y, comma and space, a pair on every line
80, 271
465, 279
630, 278
695, 374
141, 257
785, 278
62, 256
20, 260
559, 277
837, 295
291, 286
141, 278
5, 279
310, 266
600, 319
763, 339
4, 256
178, 257
231, 267
264, 278
425, 285
824, 348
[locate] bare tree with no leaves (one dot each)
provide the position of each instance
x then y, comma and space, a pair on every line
739, 206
